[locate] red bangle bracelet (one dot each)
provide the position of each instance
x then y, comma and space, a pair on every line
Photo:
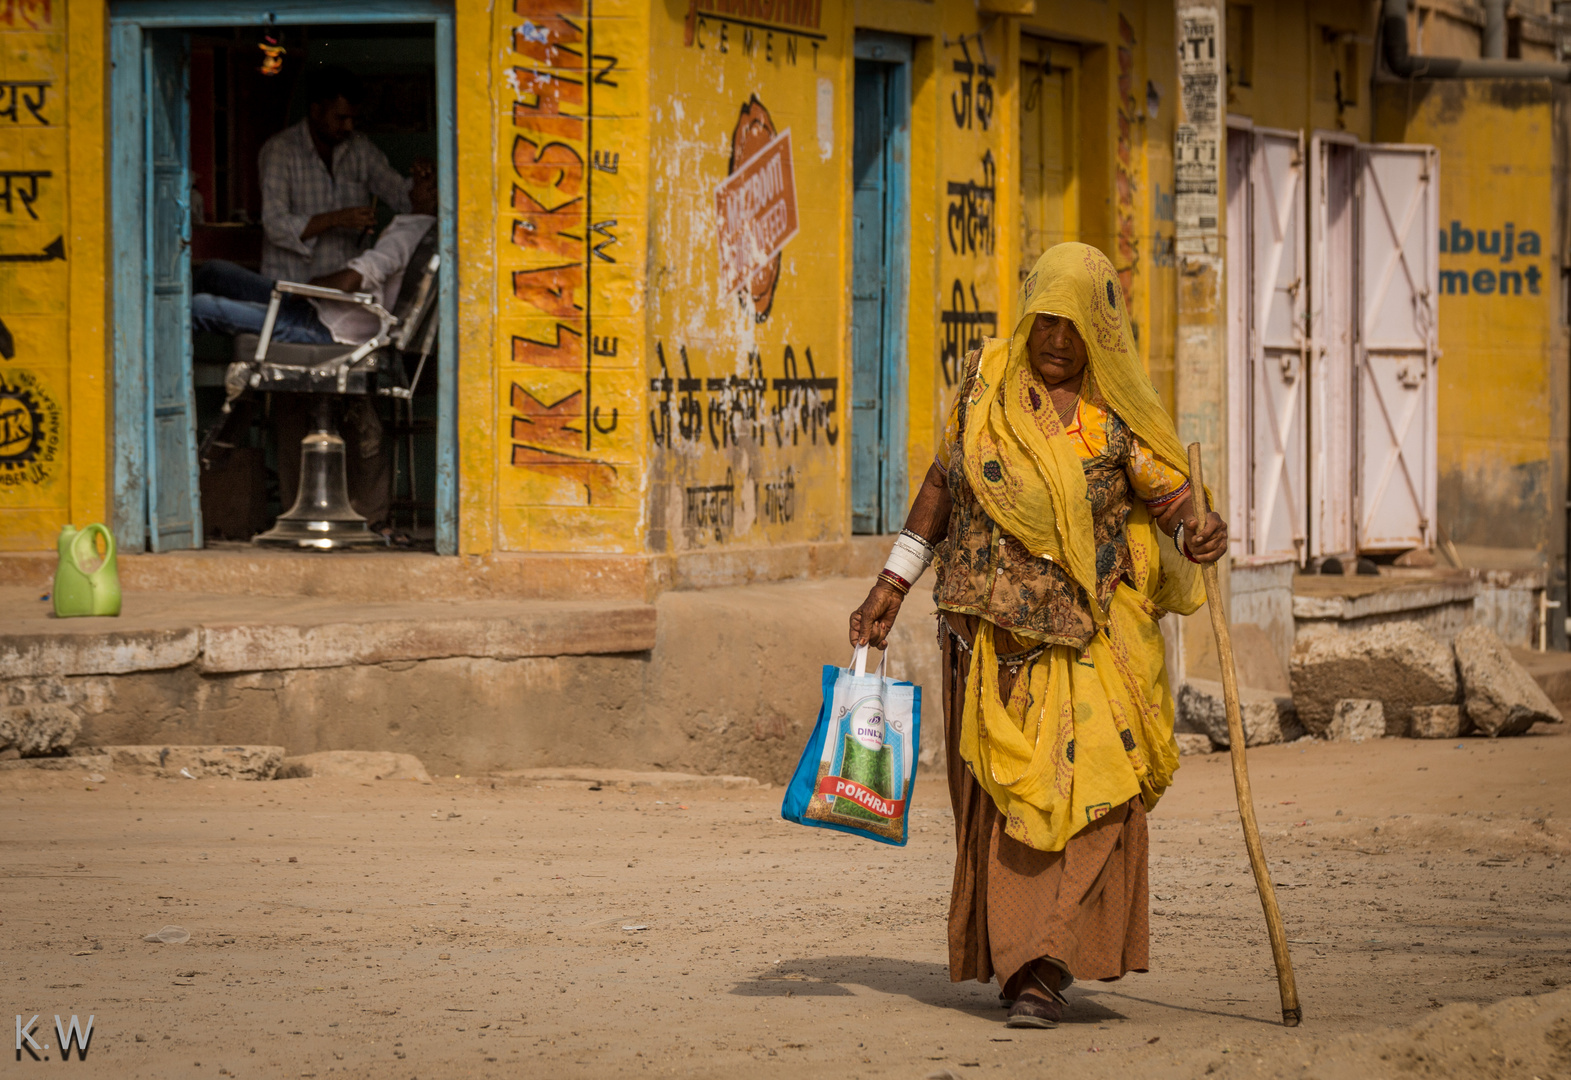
889, 577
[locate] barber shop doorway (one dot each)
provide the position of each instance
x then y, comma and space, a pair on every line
191, 107
880, 270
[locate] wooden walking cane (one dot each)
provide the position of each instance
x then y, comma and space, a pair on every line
1291, 1012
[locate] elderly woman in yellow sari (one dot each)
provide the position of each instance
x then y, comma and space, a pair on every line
1058, 512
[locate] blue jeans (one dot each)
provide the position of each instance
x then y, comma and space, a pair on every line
233, 300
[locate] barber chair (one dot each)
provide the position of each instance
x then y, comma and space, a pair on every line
322, 516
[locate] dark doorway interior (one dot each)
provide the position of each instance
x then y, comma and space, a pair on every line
234, 109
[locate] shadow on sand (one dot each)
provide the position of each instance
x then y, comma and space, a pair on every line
921, 981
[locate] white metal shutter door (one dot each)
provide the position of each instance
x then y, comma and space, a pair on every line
1332, 331
1240, 338
1278, 395
1398, 222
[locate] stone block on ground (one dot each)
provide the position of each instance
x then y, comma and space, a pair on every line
1498, 694
1397, 663
38, 730
1356, 720
1268, 717
198, 762
354, 765
1191, 743
1436, 722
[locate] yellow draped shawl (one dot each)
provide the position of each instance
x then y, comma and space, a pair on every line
1083, 732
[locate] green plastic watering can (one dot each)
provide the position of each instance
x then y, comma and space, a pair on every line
86, 583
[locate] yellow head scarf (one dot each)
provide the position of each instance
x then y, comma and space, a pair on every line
1032, 482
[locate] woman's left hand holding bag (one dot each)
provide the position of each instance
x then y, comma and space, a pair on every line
871, 623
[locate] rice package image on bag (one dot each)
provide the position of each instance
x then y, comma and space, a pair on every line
859, 765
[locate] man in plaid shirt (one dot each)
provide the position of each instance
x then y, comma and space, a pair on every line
318, 177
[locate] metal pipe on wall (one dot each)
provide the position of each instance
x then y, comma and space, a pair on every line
1393, 33
1494, 29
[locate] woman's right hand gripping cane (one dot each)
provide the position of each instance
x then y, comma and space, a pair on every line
929, 518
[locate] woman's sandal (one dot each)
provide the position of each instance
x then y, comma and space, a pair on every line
1030, 1011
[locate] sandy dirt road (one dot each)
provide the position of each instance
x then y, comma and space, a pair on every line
398, 930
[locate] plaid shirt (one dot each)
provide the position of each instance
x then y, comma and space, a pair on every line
296, 186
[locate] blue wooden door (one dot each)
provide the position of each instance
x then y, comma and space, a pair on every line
880, 198
867, 298
174, 509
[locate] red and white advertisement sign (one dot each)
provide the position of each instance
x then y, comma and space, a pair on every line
756, 210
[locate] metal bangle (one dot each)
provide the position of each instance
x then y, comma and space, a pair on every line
929, 548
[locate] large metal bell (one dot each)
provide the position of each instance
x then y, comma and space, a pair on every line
321, 516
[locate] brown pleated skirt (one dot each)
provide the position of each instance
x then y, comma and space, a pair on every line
1085, 907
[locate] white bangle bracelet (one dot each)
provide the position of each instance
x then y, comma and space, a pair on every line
909, 558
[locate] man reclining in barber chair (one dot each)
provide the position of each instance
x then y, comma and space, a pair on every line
232, 300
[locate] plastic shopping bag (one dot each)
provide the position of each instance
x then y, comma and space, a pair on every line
859, 766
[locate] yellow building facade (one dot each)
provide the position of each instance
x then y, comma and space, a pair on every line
657, 236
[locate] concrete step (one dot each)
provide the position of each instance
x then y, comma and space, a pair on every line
378, 575
702, 683
217, 634
382, 575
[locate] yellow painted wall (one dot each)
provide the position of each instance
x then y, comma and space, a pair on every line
977, 128
482, 172
746, 388
1501, 381
571, 166
611, 397
1309, 64
52, 390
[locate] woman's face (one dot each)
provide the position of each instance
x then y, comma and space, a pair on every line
1056, 349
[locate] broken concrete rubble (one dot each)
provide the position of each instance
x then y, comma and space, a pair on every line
1436, 722
1268, 717
1498, 695
39, 729
1398, 661
1356, 720
192, 762
354, 765
1190, 742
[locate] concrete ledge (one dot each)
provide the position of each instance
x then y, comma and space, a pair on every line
410, 577
730, 686
228, 634
108, 652
562, 630
1386, 601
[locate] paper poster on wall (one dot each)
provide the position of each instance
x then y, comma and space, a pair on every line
755, 207
1197, 140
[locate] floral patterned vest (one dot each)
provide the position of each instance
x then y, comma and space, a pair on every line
983, 571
